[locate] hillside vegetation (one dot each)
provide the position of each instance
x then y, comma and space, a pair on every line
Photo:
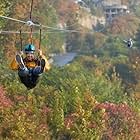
95, 97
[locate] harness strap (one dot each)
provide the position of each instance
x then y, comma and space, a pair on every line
40, 38
31, 35
31, 10
20, 41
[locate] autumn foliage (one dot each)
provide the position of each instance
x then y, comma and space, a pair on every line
126, 25
91, 98
5, 102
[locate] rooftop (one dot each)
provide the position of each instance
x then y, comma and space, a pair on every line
116, 7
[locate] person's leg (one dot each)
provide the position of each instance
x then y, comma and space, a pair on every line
20, 62
23, 72
39, 69
28, 79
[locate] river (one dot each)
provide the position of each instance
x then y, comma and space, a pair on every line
63, 59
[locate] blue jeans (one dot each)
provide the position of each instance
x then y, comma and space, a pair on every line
29, 77
31, 71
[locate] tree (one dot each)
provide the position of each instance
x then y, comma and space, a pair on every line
126, 25
4, 9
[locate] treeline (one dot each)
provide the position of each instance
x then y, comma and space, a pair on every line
78, 101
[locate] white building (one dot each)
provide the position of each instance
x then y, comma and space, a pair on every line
112, 11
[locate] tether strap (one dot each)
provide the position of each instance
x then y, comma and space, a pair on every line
20, 41
40, 38
31, 10
31, 35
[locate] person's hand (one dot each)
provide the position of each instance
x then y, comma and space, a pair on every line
40, 52
20, 53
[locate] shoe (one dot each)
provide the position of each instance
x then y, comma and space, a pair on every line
42, 64
20, 62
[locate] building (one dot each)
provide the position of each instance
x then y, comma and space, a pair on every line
100, 3
112, 11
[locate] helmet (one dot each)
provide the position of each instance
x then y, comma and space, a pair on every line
29, 48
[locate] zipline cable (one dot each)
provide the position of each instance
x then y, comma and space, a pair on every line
36, 32
30, 23
17, 20
16, 32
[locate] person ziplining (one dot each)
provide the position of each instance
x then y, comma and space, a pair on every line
30, 67
129, 43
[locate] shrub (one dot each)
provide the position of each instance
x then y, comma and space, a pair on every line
121, 121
